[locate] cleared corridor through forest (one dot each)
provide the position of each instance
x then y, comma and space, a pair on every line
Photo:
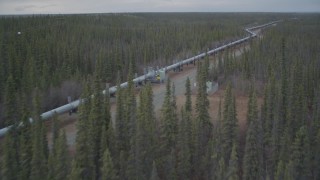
158, 95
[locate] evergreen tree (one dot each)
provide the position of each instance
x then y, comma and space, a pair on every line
59, 167
284, 84
233, 167
107, 171
183, 157
120, 124
39, 145
130, 107
300, 156
10, 163
95, 125
216, 144
277, 132
208, 161
111, 140
279, 174
168, 121
55, 131
202, 124
81, 166
121, 132
51, 164
187, 119
188, 104
133, 164
107, 124
252, 107
315, 134
52, 156
221, 173
130, 149
25, 149
289, 173
252, 164
122, 165
316, 163
268, 113
145, 138
75, 173
154, 173
229, 124
168, 131
171, 166
142, 143
10, 104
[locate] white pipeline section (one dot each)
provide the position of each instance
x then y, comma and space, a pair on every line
112, 90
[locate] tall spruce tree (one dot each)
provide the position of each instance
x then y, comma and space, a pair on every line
25, 142
284, 84
216, 144
59, 169
168, 120
233, 166
10, 102
252, 164
316, 158
10, 161
229, 124
170, 167
130, 106
131, 126
52, 155
221, 173
39, 145
268, 113
81, 166
280, 171
202, 124
189, 129
154, 173
95, 124
121, 131
315, 134
168, 131
146, 132
188, 116
252, 107
106, 123
183, 147
188, 104
111, 140
301, 155
143, 143
120, 124
108, 171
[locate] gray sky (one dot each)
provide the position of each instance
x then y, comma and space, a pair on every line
105, 6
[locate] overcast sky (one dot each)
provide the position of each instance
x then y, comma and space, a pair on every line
105, 6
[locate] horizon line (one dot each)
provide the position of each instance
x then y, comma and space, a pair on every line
137, 12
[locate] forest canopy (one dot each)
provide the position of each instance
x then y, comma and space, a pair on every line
54, 53
278, 72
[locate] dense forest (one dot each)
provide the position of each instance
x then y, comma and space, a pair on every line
282, 136
54, 53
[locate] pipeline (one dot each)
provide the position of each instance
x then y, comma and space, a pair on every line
72, 105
